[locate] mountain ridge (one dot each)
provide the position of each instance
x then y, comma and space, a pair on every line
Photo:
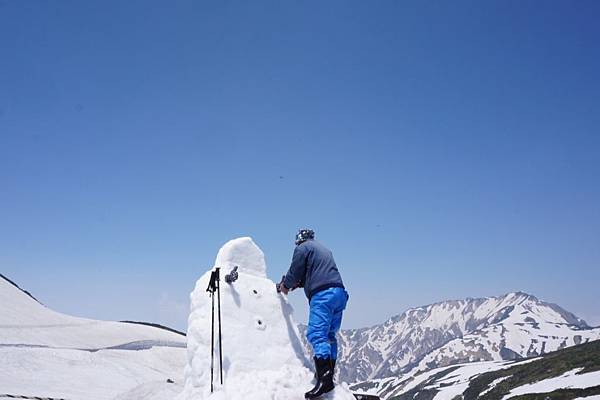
506, 327
18, 287
517, 293
143, 323
563, 374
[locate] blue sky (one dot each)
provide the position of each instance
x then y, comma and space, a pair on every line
441, 149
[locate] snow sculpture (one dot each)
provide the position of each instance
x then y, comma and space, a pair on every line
263, 357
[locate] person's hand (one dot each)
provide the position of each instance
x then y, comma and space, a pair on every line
283, 289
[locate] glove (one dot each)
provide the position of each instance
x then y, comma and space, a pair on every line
232, 276
281, 287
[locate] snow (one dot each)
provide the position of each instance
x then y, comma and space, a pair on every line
569, 379
263, 357
24, 321
448, 386
549, 332
485, 329
243, 253
102, 375
458, 381
493, 384
48, 354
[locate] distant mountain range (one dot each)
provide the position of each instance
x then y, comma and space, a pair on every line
509, 327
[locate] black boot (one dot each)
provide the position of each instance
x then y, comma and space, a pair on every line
332, 367
324, 367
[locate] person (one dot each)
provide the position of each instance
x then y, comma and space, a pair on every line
314, 269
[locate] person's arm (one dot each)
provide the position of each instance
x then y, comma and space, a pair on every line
297, 270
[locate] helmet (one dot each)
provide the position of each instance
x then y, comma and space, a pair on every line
303, 235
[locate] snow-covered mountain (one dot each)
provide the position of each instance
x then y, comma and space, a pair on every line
570, 373
48, 354
508, 327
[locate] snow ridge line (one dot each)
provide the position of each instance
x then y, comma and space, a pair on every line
18, 287
12, 396
134, 346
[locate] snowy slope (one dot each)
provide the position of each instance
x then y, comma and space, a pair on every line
447, 383
450, 381
575, 367
508, 327
263, 357
24, 321
568, 380
48, 354
102, 375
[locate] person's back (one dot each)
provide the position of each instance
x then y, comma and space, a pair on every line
315, 263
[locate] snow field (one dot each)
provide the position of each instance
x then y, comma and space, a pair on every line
47, 354
101, 375
568, 380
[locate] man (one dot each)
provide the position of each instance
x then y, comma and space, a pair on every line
314, 269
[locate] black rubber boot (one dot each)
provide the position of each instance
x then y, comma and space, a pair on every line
332, 367
324, 367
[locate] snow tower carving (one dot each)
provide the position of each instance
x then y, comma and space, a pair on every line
263, 357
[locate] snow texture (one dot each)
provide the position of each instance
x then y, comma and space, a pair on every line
45, 354
568, 380
448, 386
263, 357
244, 254
493, 384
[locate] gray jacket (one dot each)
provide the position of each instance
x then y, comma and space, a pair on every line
313, 268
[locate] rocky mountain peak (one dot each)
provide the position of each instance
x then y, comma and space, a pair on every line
510, 326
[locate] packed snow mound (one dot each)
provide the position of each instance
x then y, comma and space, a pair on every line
243, 253
263, 357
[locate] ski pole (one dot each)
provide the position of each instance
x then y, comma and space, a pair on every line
220, 342
212, 343
214, 276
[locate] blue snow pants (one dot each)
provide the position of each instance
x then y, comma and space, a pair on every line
324, 321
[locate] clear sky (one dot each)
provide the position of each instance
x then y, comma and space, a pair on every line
440, 149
